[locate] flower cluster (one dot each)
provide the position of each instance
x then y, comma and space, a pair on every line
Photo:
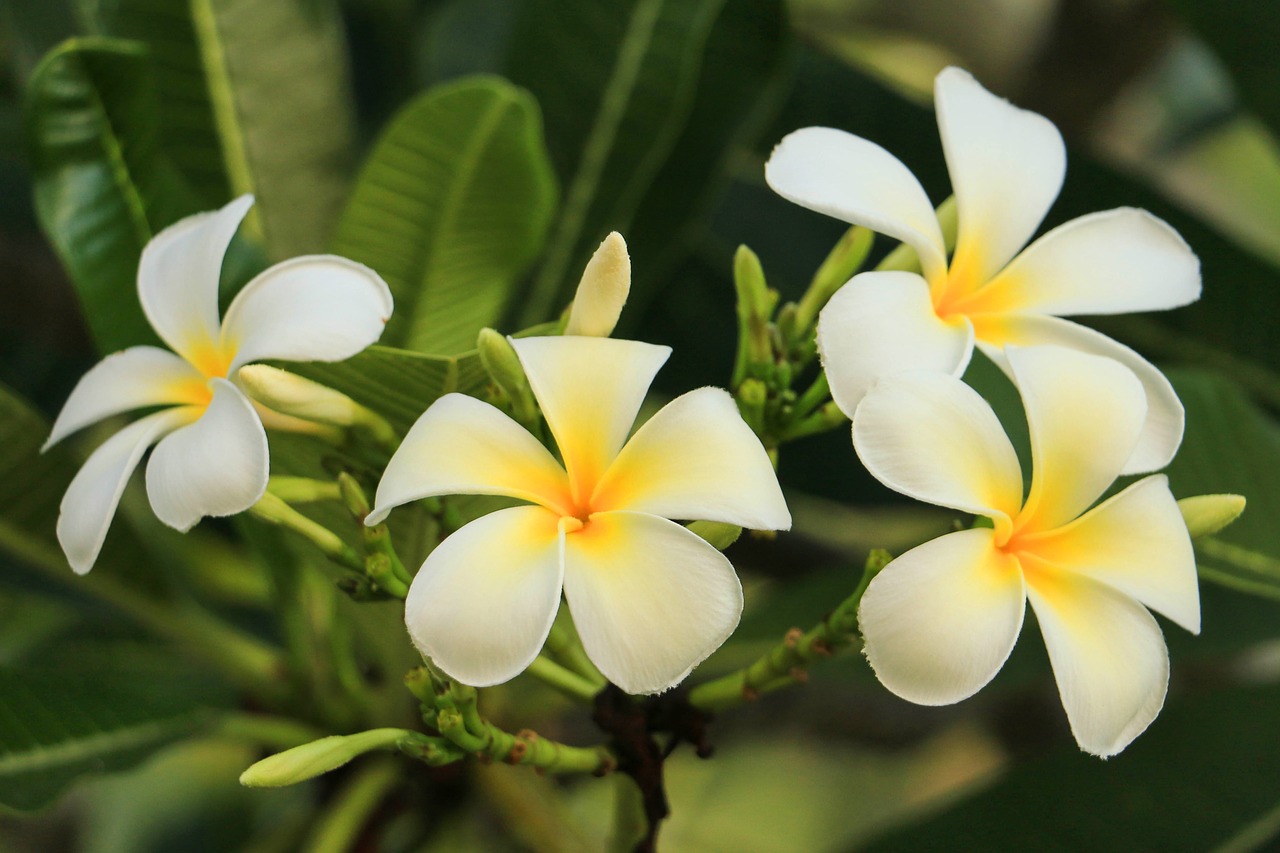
940, 621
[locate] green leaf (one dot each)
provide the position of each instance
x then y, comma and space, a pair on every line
55, 728
1167, 791
102, 185
617, 85
397, 384
1230, 446
272, 80
451, 207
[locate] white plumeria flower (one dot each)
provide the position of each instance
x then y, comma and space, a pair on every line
1006, 167
212, 454
941, 619
650, 599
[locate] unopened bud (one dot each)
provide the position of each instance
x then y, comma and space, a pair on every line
504, 368
293, 395
1207, 514
603, 290
320, 756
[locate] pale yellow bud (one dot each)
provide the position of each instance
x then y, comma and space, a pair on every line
603, 290
290, 394
320, 756
1207, 514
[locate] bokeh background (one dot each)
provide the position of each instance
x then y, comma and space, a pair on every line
1171, 105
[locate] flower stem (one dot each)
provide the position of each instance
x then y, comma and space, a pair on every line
786, 662
273, 510
567, 682
566, 649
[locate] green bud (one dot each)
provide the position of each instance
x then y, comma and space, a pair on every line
320, 756
841, 264
297, 397
352, 495
755, 309
904, 257
504, 368
717, 533
1207, 514
752, 396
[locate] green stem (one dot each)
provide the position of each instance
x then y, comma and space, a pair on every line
569, 683
844, 260
273, 510
814, 396
566, 648
301, 490
784, 663
349, 812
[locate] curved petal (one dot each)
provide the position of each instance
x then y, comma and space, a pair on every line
650, 599
313, 308
1084, 413
939, 621
91, 499
461, 446
129, 379
1111, 262
858, 182
590, 390
1108, 657
178, 277
931, 437
1162, 430
216, 466
696, 459
1006, 167
1135, 542
882, 323
483, 602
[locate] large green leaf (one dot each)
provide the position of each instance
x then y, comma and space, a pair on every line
102, 185
1231, 446
617, 82
55, 727
1205, 773
272, 80
451, 207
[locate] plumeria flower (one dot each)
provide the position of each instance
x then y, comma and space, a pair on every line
1006, 167
650, 599
941, 619
211, 459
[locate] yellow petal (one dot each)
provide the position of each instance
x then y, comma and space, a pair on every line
1085, 414
590, 390
939, 621
696, 459
461, 446
1108, 656
482, 604
650, 599
1135, 542
602, 291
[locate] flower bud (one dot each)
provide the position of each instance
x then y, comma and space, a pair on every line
320, 756
603, 290
290, 394
1207, 514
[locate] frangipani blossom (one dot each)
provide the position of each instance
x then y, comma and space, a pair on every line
941, 619
650, 599
211, 459
1006, 167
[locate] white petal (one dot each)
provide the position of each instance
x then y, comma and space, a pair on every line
1006, 167
483, 603
461, 446
178, 277
882, 323
858, 182
216, 466
602, 291
590, 390
696, 459
930, 436
939, 621
1162, 430
313, 308
1107, 653
91, 499
130, 379
1111, 262
650, 599
1135, 542
1084, 414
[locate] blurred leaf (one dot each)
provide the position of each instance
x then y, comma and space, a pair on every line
451, 207
272, 80
1168, 791
617, 83
1230, 446
54, 728
102, 185
1242, 34
398, 384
